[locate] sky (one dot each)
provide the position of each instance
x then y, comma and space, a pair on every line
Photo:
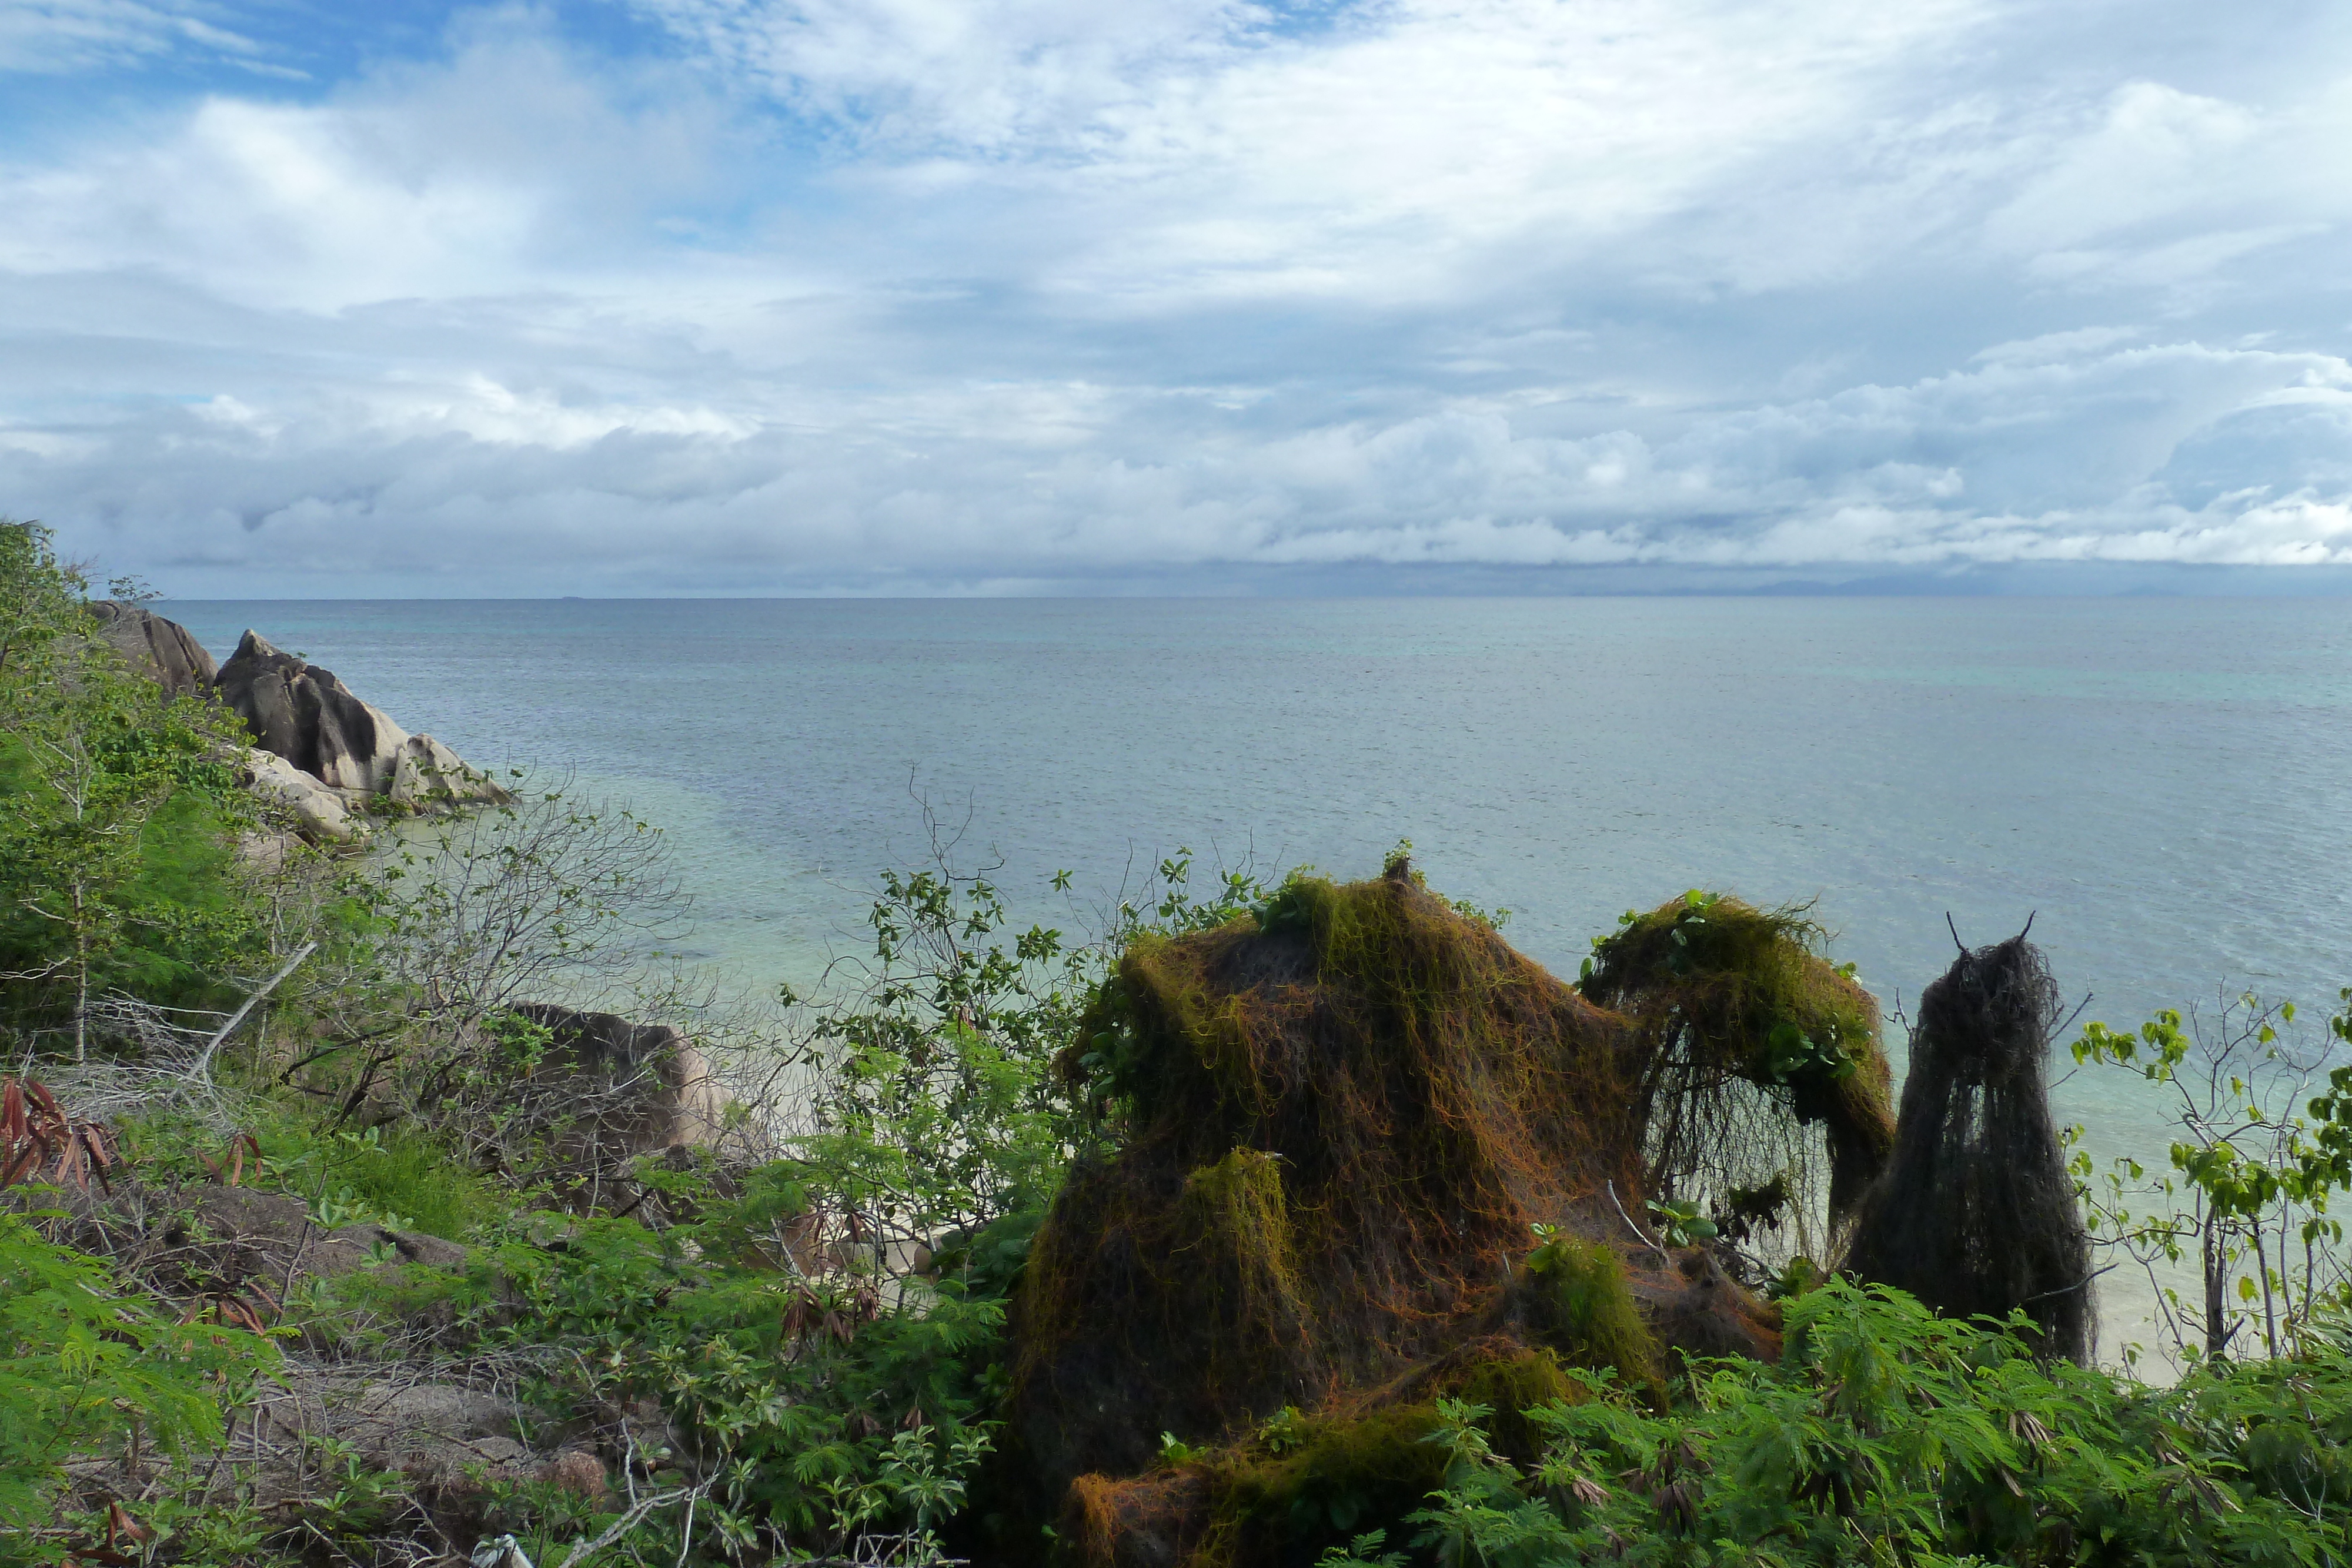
694, 297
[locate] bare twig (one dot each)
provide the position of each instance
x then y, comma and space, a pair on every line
205, 1058
628, 1521
1628, 1218
2069, 1290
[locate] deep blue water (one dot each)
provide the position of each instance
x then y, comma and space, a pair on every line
2162, 782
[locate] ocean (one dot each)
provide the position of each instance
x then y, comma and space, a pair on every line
2161, 784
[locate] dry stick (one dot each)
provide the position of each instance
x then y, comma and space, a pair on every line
625, 1524
204, 1057
228, 1441
2070, 1290
1628, 1218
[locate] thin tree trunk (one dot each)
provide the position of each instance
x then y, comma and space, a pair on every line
2217, 1334
2270, 1308
81, 981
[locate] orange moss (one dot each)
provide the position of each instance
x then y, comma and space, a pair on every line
1090, 1520
1406, 1095
1329, 1133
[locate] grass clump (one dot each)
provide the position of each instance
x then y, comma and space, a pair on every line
399, 1177
1511, 1385
1352, 1472
1299, 1485
1232, 1226
409, 1176
1578, 1303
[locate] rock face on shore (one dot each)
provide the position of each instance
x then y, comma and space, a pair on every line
161, 649
303, 713
321, 753
640, 1088
319, 812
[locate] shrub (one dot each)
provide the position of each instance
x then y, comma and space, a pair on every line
118, 816
88, 1371
1889, 1435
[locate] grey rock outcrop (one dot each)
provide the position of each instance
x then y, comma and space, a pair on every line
318, 811
322, 755
635, 1088
302, 714
209, 1239
161, 649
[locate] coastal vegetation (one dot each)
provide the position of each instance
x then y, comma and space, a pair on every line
406, 1200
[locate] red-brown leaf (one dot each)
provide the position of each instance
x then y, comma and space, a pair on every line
120, 1525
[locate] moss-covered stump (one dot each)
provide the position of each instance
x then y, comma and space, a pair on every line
1337, 1126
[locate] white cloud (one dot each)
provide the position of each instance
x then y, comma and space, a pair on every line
858, 288
2154, 148
983, 76
2054, 346
493, 173
446, 483
62, 36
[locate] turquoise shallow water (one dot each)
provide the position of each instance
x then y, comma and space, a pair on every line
2164, 781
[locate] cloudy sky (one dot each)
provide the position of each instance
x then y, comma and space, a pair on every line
756, 296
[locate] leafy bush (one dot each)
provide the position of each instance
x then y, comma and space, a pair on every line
1889, 1435
118, 816
88, 1371
2266, 1148
813, 1410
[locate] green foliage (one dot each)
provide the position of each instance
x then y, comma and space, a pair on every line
87, 1370
1511, 1385
1754, 980
2249, 1198
118, 816
1336, 1473
387, 1173
1398, 863
1888, 1435
1680, 1223
397, 1177
1758, 1062
344, 1507
1284, 1430
1363, 1552
935, 1102
457, 921
943, 1087
820, 1411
